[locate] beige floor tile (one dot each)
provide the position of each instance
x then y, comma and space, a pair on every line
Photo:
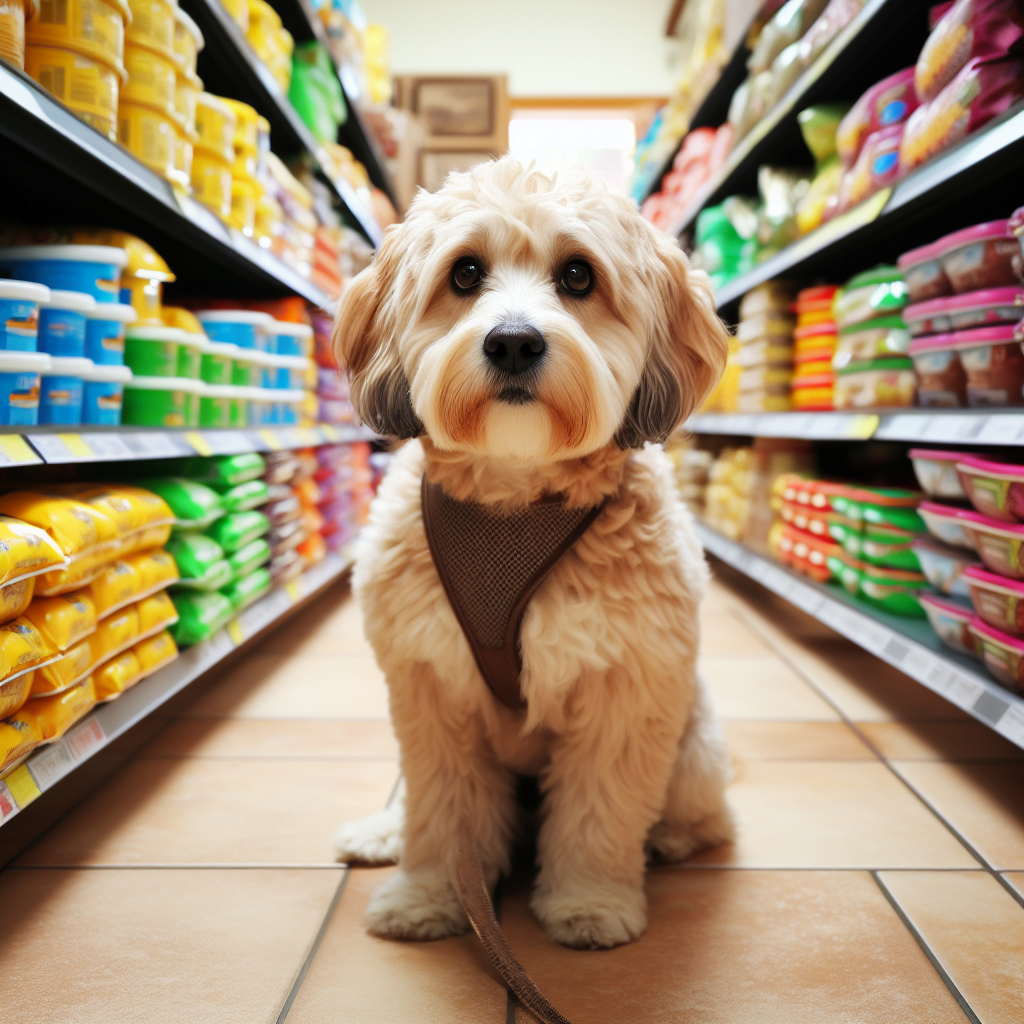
286, 738
360, 979
163, 947
983, 802
726, 634
744, 947
328, 628
197, 811
751, 687
831, 814
939, 741
315, 686
975, 928
795, 741
1016, 879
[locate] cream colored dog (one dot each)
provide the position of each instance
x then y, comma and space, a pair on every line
618, 726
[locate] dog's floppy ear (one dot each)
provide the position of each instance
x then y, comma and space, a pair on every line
687, 353
364, 344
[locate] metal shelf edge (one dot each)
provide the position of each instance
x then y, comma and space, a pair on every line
48, 766
979, 696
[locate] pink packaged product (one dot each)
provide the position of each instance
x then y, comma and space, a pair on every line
995, 489
986, 307
946, 523
941, 380
999, 545
985, 88
923, 273
950, 620
877, 165
1003, 654
998, 601
887, 103
929, 317
935, 470
994, 365
970, 28
979, 257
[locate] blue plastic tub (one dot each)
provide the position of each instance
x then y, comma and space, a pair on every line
62, 324
245, 328
104, 332
93, 269
103, 394
19, 387
291, 339
62, 391
19, 314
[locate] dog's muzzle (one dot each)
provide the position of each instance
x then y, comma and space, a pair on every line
513, 349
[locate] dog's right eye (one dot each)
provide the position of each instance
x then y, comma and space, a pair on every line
467, 274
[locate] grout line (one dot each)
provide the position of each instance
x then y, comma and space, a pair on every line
927, 950
308, 962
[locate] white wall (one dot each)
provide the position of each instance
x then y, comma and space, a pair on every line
547, 47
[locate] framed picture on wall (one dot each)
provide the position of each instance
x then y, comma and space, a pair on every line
435, 164
455, 106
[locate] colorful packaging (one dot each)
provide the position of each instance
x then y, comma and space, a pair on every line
114, 634
941, 380
67, 671
880, 383
994, 365
156, 613
1003, 654
52, 716
881, 338
245, 496
200, 561
923, 274
15, 598
63, 621
873, 293
200, 615
995, 489
226, 470
979, 257
999, 545
946, 523
877, 166
951, 621
249, 558
116, 676
26, 551
194, 505
237, 529
970, 28
13, 694
18, 738
22, 647
155, 652
944, 566
248, 589
998, 601
130, 579
936, 473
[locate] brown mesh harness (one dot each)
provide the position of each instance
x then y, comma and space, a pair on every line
491, 563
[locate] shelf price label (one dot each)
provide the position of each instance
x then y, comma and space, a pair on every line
15, 451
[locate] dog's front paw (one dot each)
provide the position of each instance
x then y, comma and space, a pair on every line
420, 905
598, 917
672, 843
374, 840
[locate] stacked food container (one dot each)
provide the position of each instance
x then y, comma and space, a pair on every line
765, 355
814, 346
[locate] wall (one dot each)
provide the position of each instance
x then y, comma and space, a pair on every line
547, 47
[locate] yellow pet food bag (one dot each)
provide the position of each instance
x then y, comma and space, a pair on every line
131, 579
64, 673
82, 532
114, 634
15, 598
155, 614
22, 648
64, 620
116, 676
155, 652
25, 552
14, 692
18, 738
53, 716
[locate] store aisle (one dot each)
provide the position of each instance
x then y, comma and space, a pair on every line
881, 832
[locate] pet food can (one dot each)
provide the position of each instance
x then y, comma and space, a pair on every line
931, 317
923, 273
92, 27
19, 387
190, 354
152, 78
104, 332
994, 364
61, 391
19, 314
246, 328
93, 269
152, 25
153, 351
62, 323
986, 307
103, 394
290, 339
215, 123
211, 182
155, 401
186, 91
941, 381
216, 361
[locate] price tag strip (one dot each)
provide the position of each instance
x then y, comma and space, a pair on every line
48, 765
974, 693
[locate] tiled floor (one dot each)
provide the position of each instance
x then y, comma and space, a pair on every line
878, 875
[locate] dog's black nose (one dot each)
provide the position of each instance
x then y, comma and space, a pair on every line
514, 349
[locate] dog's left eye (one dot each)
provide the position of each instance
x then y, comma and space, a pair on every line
577, 278
467, 274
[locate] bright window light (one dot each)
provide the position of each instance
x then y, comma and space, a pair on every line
604, 147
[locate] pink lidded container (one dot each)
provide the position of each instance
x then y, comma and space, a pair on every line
982, 309
979, 257
998, 601
951, 621
946, 523
995, 489
936, 472
923, 273
941, 378
999, 545
1003, 654
931, 317
994, 365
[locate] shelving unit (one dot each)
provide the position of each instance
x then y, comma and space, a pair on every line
229, 66
995, 427
908, 644
37, 785
57, 165
54, 446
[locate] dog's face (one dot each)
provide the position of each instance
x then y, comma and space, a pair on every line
522, 318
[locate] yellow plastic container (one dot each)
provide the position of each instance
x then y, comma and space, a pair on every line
244, 165
87, 85
152, 25
183, 151
239, 11
152, 78
14, 14
92, 27
245, 195
215, 123
186, 91
148, 134
269, 220
211, 181
246, 135
188, 41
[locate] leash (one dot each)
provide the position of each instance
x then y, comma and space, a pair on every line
476, 901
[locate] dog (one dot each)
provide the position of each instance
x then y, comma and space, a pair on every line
528, 338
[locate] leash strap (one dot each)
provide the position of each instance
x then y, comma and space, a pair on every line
490, 564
